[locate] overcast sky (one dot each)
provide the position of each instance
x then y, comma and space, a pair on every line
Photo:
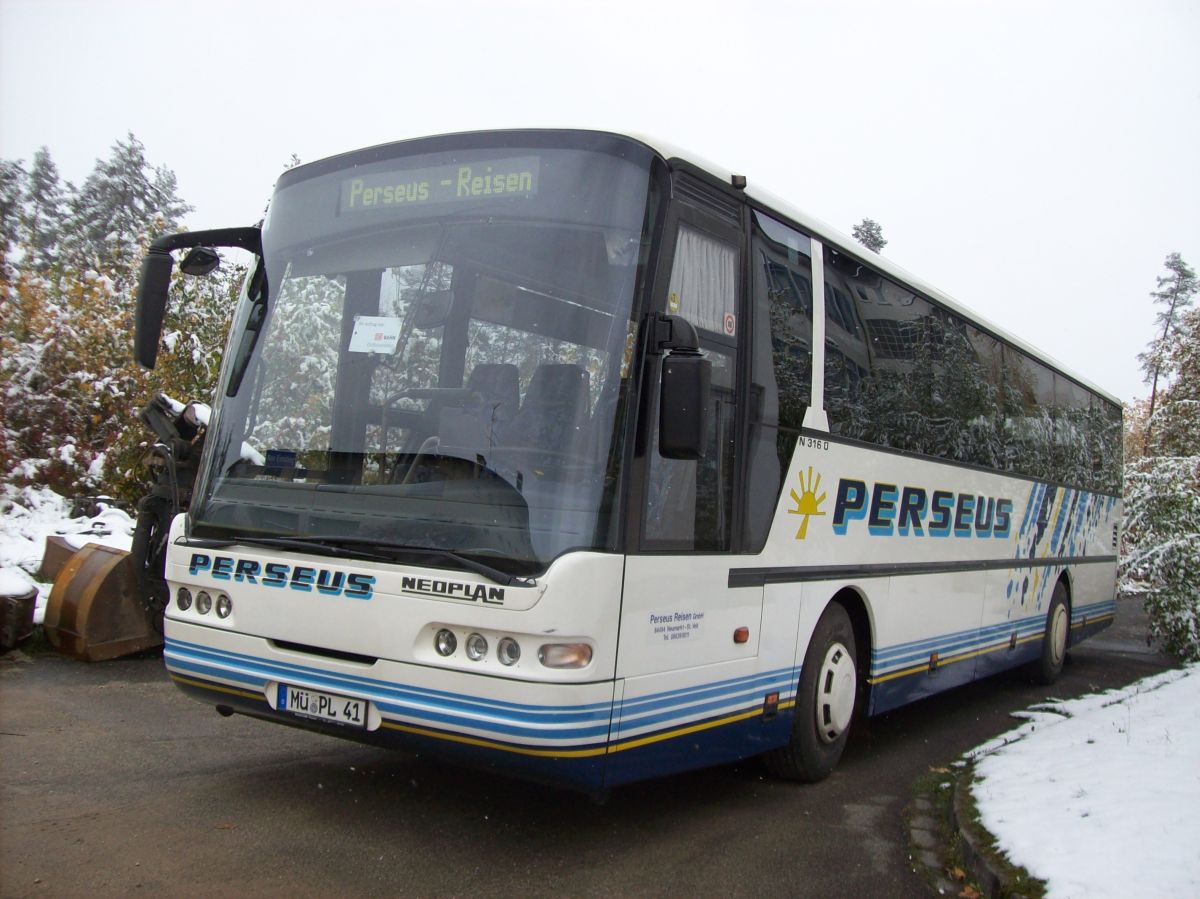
1036, 160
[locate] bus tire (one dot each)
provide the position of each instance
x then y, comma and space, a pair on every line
826, 699
1047, 669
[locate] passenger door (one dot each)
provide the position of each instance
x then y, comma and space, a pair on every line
688, 643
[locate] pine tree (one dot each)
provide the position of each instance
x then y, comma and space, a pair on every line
12, 186
870, 235
1175, 292
122, 203
42, 213
1178, 418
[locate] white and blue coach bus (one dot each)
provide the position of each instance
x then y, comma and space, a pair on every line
568, 455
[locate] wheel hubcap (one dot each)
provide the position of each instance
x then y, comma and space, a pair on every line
1058, 635
836, 688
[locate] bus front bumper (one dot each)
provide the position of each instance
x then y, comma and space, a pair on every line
552, 733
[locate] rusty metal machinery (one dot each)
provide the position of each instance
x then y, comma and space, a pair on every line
106, 602
96, 611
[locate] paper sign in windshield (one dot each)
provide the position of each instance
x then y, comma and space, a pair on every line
375, 334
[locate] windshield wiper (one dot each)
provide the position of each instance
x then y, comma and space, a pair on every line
303, 544
483, 568
369, 549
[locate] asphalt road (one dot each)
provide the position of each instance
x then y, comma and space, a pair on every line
114, 783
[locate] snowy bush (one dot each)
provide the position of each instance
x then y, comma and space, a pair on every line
1162, 531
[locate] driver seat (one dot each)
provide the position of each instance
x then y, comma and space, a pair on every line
555, 414
477, 423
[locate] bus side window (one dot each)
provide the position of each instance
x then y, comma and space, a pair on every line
690, 503
781, 370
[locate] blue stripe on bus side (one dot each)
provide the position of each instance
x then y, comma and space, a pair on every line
959, 640
750, 698
510, 729
897, 657
781, 678
1093, 610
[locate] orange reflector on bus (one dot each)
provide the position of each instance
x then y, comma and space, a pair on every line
741, 635
771, 705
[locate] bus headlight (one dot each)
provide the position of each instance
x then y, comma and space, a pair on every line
183, 599
476, 647
508, 651
565, 655
224, 606
203, 602
444, 642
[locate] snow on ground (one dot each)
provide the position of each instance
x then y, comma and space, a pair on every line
1100, 796
29, 516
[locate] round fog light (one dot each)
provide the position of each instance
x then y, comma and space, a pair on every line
224, 606
445, 642
203, 602
183, 599
476, 647
508, 651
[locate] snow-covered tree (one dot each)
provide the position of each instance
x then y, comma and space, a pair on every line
1135, 414
12, 185
69, 389
123, 203
42, 213
298, 364
1162, 498
1175, 292
869, 233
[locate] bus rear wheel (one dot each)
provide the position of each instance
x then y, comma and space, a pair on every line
825, 702
1047, 669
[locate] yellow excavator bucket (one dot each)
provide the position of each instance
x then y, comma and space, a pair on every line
96, 611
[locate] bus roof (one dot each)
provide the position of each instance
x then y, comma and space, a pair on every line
844, 242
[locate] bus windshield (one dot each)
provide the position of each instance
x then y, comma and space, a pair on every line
435, 353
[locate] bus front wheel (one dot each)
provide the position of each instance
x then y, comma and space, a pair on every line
825, 702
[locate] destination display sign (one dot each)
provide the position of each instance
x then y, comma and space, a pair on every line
516, 177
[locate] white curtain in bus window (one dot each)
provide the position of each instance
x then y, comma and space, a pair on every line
704, 282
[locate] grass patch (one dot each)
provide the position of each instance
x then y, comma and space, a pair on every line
1014, 880
38, 644
969, 865
933, 798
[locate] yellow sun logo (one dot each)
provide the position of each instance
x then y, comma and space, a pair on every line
807, 502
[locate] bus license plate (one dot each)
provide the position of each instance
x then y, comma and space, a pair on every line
323, 706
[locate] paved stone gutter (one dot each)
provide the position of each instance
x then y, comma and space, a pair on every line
953, 852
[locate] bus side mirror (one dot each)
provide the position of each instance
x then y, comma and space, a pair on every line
155, 281
151, 305
200, 261
683, 405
